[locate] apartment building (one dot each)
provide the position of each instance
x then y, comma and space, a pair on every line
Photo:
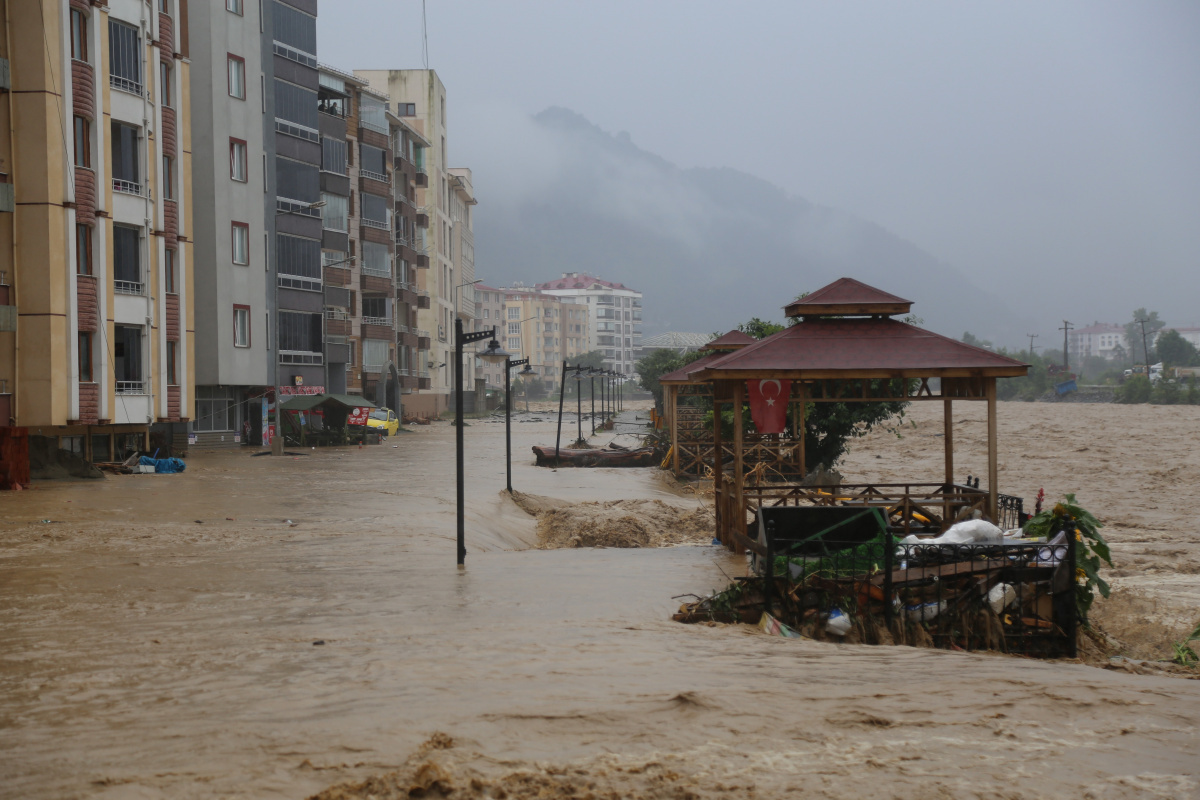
231, 86
530, 324
96, 305
615, 316
445, 200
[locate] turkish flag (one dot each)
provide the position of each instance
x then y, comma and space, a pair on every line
769, 404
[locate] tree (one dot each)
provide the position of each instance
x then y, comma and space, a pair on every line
760, 328
972, 339
1175, 351
650, 368
1133, 334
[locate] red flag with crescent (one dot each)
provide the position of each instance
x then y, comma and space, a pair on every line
769, 404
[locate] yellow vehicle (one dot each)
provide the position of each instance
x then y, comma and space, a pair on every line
384, 420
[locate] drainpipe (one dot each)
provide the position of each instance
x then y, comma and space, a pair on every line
12, 174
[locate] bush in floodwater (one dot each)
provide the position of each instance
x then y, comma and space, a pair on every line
1135, 389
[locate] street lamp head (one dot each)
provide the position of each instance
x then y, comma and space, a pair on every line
494, 354
578, 374
528, 371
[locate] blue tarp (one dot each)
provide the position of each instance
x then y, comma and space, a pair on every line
163, 465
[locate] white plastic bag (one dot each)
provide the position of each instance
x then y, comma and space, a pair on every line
1001, 596
838, 623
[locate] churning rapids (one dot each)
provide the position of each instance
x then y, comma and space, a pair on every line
160, 636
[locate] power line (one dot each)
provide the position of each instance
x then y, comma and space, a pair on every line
424, 37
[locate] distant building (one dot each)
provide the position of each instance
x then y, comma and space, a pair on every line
1189, 334
616, 316
542, 327
676, 342
1098, 339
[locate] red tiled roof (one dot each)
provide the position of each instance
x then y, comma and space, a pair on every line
684, 374
853, 347
848, 296
1100, 327
733, 340
582, 281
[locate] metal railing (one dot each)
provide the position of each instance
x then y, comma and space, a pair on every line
372, 223
127, 187
378, 272
298, 207
126, 85
131, 387
375, 176
333, 313
372, 367
401, 329
297, 130
129, 287
421, 334
376, 320
299, 282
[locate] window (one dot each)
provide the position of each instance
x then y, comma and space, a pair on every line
125, 156
164, 84
296, 30
406, 109
83, 249
168, 178
336, 213
241, 326
173, 363
299, 332
514, 312
83, 142
237, 76
373, 160
79, 40
85, 358
127, 259
374, 354
216, 409
238, 170
127, 357
333, 155
235, 6
514, 344
487, 314
297, 181
240, 235
372, 114
515, 328
375, 307
124, 57
375, 210
164, 6
295, 255
169, 270
376, 260
295, 104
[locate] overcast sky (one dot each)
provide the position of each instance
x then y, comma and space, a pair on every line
1049, 150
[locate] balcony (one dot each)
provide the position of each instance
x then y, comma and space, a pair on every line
374, 176
374, 223
129, 287
376, 321
337, 322
421, 178
301, 357
126, 85
131, 387
128, 187
423, 300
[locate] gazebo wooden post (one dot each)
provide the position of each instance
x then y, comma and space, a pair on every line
739, 472
717, 466
948, 441
800, 429
673, 411
993, 461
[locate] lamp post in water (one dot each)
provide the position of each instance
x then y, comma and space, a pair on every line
509, 363
493, 354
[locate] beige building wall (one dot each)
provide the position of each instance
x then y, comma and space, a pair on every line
542, 328
51, 304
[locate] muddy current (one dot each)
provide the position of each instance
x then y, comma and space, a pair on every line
279, 628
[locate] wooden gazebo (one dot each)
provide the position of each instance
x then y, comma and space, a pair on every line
847, 348
685, 401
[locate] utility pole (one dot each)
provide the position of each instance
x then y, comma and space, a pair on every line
1031, 336
1066, 329
1145, 349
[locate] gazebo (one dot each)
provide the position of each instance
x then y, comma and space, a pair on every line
685, 401
847, 348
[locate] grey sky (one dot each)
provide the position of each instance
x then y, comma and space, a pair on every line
1048, 150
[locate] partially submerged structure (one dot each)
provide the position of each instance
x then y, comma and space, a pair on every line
847, 347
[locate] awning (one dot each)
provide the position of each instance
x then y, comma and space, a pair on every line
306, 402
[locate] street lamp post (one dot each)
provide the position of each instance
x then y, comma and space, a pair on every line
579, 440
508, 365
493, 354
592, 382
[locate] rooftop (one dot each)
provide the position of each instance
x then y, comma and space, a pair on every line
848, 296
581, 280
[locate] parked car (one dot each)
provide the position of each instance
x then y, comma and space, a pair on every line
384, 420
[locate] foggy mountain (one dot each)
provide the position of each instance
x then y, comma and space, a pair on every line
708, 247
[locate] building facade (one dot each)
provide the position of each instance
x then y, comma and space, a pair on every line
444, 200
615, 312
1098, 339
96, 305
542, 327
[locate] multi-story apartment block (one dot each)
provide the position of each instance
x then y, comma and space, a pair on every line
546, 329
445, 199
95, 222
231, 85
616, 316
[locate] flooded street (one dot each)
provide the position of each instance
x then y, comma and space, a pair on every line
159, 637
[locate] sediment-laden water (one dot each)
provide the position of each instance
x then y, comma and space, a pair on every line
157, 636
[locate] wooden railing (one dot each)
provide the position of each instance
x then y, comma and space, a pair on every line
910, 507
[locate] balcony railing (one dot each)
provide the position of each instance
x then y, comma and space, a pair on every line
374, 223
300, 357
127, 187
334, 313
378, 272
376, 321
126, 85
299, 282
375, 176
129, 287
283, 204
299, 131
401, 329
420, 333
372, 367
131, 387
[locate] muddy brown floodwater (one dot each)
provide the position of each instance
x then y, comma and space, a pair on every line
158, 636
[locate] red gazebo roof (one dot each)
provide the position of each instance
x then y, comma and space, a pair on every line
848, 296
685, 373
734, 340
